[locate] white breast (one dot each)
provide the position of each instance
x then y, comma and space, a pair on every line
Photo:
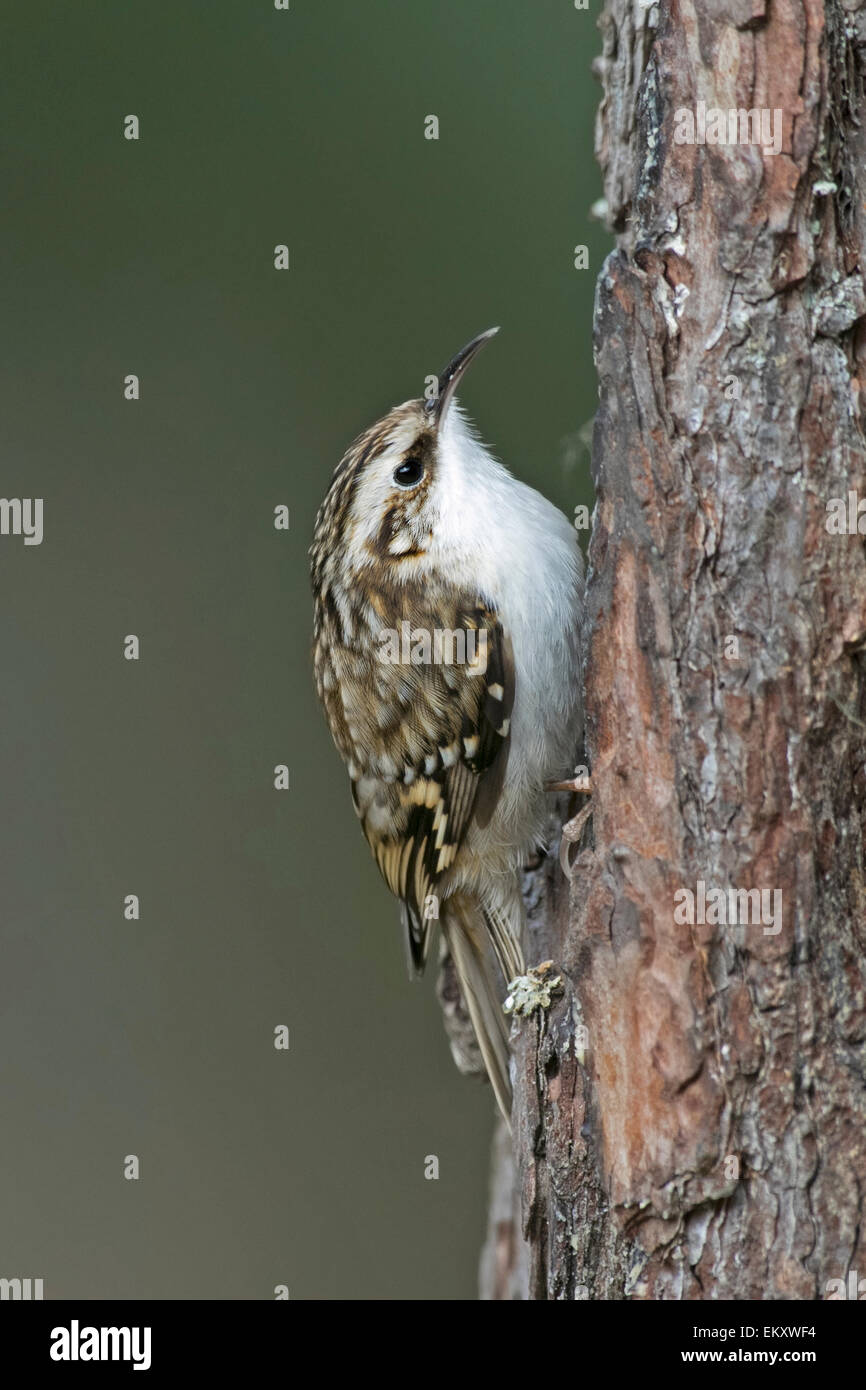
525, 558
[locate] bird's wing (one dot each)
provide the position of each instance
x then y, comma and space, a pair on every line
447, 747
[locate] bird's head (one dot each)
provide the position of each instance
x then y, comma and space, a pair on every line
400, 497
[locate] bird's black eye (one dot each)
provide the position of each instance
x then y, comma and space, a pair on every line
410, 472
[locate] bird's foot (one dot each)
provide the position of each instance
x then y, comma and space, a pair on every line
571, 833
534, 990
573, 829
573, 784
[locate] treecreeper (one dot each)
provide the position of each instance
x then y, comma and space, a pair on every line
448, 603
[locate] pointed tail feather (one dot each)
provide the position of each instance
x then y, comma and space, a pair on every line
464, 931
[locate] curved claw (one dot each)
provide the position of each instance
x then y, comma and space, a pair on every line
571, 833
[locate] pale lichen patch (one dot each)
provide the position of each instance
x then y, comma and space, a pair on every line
534, 990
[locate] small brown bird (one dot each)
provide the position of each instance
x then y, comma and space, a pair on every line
448, 607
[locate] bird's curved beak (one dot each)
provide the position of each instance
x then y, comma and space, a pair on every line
450, 377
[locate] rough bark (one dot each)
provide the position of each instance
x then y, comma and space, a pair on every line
705, 1138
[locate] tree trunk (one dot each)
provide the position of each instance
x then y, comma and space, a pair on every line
690, 1115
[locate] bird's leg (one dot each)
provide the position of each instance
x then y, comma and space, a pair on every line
573, 829
574, 784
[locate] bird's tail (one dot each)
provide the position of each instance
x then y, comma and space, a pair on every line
466, 936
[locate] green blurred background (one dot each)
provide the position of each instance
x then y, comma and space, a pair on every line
155, 777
